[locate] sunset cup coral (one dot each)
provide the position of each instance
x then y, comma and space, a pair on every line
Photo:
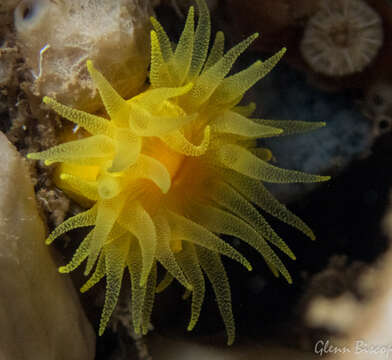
172, 169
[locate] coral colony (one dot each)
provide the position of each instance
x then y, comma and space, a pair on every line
172, 169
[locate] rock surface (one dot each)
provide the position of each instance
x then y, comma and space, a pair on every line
7, 5
40, 313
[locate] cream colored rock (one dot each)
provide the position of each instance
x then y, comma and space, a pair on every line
370, 336
337, 314
57, 37
40, 313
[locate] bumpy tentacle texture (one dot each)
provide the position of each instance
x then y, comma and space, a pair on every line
171, 170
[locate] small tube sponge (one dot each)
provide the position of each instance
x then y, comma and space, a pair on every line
171, 170
342, 38
57, 37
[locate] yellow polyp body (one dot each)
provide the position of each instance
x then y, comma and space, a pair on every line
171, 170
62, 175
176, 246
108, 187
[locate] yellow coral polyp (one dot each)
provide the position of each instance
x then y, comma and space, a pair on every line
171, 170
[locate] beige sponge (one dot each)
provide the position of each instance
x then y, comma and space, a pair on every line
57, 37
